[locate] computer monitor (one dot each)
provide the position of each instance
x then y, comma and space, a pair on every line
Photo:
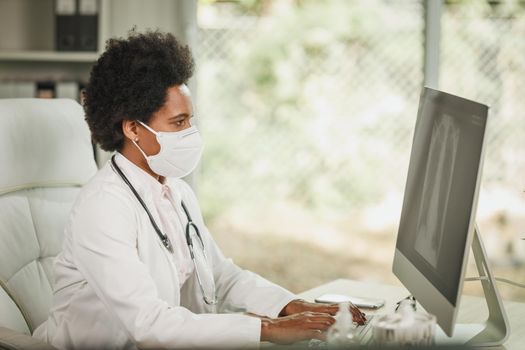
437, 222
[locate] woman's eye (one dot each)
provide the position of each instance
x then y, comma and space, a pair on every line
181, 122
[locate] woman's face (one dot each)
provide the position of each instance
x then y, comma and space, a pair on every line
174, 115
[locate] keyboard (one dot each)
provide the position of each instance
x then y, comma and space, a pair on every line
364, 332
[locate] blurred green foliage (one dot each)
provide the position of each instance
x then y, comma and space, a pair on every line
308, 107
292, 105
313, 103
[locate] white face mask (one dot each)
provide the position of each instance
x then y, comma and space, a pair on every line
179, 154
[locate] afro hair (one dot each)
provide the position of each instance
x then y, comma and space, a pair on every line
129, 81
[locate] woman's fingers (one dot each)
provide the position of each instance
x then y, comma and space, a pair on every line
319, 326
316, 313
311, 324
330, 309
321, 319
324, 320
289, 329
357, 315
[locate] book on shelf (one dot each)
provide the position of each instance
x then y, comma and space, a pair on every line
67, 89
42, 89
87, 29
13, 89
45, 89
76, 25
65, 25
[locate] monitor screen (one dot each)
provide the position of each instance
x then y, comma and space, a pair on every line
440, 194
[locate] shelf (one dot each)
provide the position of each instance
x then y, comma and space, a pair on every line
49, 56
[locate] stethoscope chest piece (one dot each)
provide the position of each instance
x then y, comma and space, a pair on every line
209, 300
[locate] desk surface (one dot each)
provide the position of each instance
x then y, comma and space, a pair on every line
472, 309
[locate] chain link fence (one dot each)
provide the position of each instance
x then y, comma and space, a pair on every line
296, 102
483, 50
483, 58
308, 109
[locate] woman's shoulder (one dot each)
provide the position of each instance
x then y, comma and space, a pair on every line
103, 210
104, 191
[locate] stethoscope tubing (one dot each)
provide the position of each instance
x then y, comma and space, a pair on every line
189, 240
164, 238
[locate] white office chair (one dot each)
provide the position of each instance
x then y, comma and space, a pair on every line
45, 157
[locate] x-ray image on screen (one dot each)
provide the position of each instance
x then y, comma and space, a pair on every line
437, 186
440, 194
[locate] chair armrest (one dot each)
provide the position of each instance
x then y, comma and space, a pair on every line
13, 340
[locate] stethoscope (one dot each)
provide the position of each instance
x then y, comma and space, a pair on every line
165, 240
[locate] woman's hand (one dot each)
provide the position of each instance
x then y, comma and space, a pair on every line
298, 306
296, 327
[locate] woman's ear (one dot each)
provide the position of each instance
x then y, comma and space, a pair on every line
130, 129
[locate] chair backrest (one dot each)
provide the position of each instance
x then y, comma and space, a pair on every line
45, 157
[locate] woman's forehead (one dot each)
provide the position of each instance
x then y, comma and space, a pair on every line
178, 101
179, 94
178, 97
184, 90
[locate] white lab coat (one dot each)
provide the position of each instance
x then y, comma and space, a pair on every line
117, 287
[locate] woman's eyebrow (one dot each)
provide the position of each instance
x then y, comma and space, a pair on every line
180, 116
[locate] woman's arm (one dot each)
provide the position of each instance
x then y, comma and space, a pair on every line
104, 229
241, 290
237, 289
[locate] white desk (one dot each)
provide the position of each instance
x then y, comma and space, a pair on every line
472, 309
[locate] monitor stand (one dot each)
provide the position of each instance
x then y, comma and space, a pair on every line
496, 329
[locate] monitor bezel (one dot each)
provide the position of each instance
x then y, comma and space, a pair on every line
430, 298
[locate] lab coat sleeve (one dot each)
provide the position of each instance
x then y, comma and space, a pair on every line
238, 289
105, 252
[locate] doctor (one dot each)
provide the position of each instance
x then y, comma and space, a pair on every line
138, 268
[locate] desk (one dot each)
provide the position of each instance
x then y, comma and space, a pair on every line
472, 309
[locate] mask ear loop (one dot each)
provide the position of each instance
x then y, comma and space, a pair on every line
144, 154
136, 145
140, 149
147, 127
